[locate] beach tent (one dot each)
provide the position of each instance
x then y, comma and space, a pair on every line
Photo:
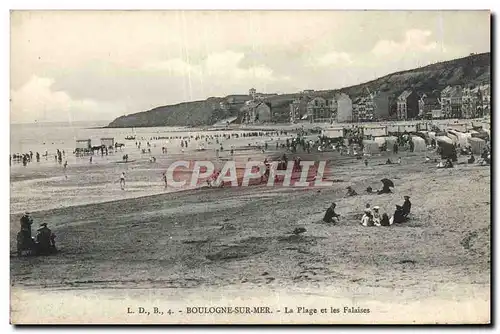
391, 140
453, 137
370, 147
418, 144
432, 135
462, 137
481, 134
477, 145
446, 148
380, 141
422, 135
444, 139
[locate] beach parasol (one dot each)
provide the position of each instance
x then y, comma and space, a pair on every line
387, 183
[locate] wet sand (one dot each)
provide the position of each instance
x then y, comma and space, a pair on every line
236, 243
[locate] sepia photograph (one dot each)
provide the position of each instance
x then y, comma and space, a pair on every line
250, 167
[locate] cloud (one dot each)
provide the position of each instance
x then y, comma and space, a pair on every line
334, 58
37, 101
415, 41
218, 66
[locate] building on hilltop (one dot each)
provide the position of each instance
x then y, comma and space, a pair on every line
407, 105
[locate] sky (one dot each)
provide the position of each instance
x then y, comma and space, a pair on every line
98, 65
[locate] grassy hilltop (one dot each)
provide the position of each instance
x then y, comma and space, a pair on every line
471, 70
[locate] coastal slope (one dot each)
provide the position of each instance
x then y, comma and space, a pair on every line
471, 70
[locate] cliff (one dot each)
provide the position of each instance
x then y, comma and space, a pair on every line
471, 70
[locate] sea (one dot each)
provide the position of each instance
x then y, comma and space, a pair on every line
48, 185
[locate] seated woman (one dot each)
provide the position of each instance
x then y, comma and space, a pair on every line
471, 160
330, 215
367, 219
385, 220
350, 192
376, 216
384, 190
398, 216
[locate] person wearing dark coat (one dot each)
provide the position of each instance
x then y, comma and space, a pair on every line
398, 215
331, 215
44, 239
385, 220
384, 190
406, 206
350, 192
395, 148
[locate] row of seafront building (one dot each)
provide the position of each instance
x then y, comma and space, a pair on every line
451, 102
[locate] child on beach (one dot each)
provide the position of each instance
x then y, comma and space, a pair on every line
122, 181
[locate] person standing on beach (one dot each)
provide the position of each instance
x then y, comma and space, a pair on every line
165, 179
122, 181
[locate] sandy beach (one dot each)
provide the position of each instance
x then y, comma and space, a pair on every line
219, 246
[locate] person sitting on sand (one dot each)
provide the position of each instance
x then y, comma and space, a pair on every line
367, 219
369, 190
388, 162
376, 216
406, 206
472, 159
399, 161
427, 159
385, 220
448, 163
385, 190
398, 216
350, 192
330, 215
44, 238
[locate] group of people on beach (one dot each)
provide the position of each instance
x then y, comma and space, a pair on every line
26, 158
43, 243
372, 216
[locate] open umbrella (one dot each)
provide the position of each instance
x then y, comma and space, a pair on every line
387, 183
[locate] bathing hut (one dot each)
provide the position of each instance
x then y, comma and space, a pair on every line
83, 144
390, 140
444, 139
462, 137
476, 144
370, 147
453, 137
380, 141
108, 142
418, 144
